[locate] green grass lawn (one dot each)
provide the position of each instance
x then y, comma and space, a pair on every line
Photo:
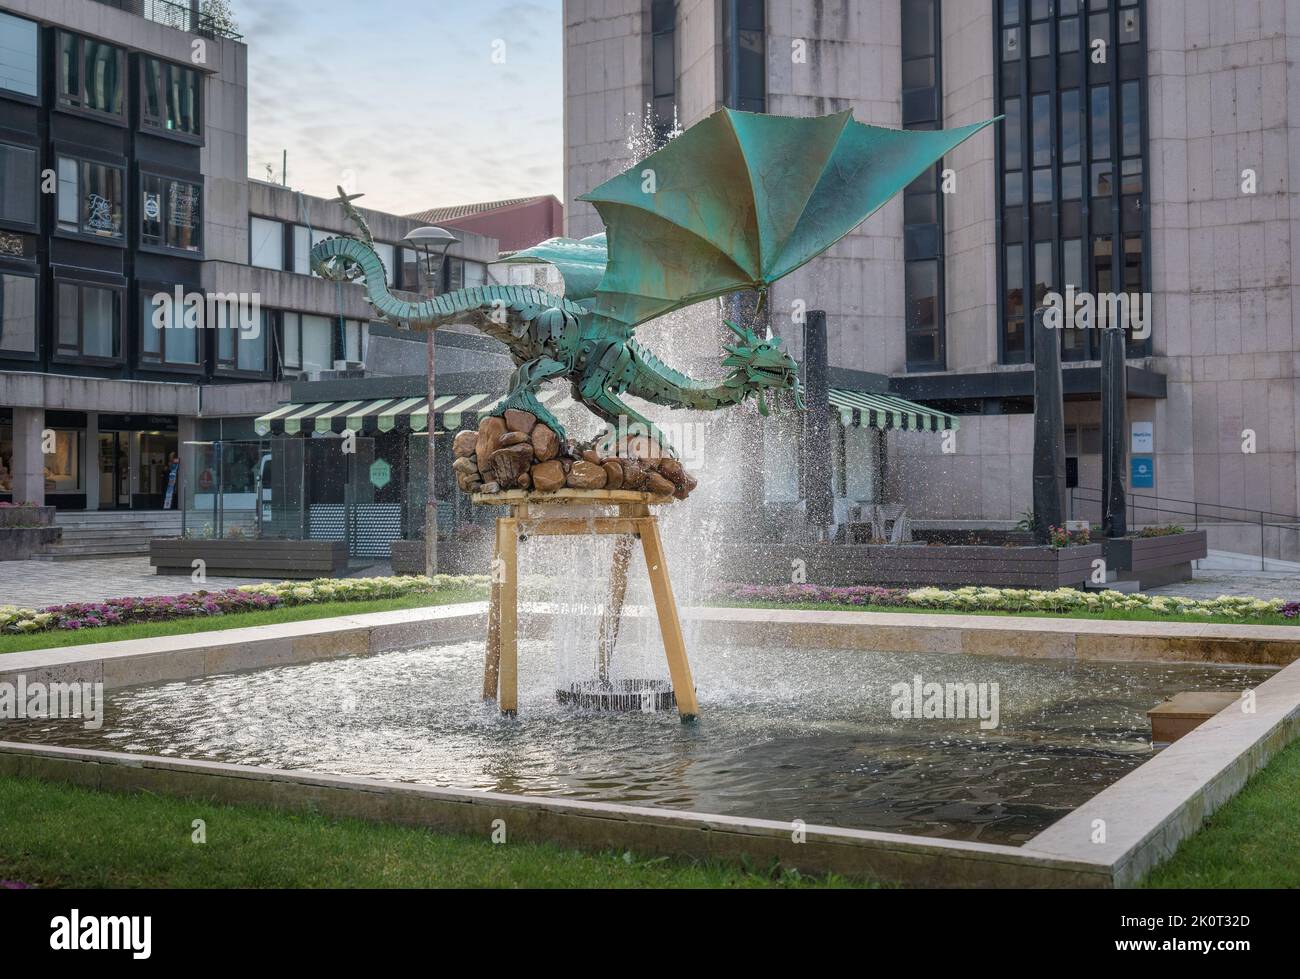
1113, 614
1253, 841
62, 836
293, 613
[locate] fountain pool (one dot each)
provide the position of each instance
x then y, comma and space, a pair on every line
784, 734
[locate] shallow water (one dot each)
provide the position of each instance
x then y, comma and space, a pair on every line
783, 734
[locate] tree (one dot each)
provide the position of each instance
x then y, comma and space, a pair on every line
217, 16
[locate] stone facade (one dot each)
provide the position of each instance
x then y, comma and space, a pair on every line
1224, 282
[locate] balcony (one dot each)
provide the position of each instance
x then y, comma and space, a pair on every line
183, 16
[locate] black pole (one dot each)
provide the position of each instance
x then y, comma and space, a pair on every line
1114, 446
1049, 431
817, 449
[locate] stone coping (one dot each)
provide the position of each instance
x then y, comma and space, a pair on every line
1150, 811
892, 857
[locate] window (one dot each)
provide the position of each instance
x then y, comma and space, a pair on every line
243, 350
88, 321
266, 244
171, 213
388, 255
18, 56
745, 46
167, 336
18, 190
355, 336
172, 98
90, 198
1072, 162
90, 75
308, 342
475, 274
922, 202
17, 314
663, 73
303, 240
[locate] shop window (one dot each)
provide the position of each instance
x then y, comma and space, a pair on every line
171, 213
90, 198
63, 469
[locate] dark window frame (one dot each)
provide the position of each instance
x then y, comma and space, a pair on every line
168, 178
82, 160
1092, 226
35, 226
79, 108
59, 354
663, 68
924, 242
224, 368
35, 275
23, 97
145, 290
161, 90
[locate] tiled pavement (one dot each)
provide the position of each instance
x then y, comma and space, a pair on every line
1255, 584
40, 583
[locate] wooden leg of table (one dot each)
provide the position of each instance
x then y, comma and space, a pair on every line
609, 623
679, 668
492, 658
508, 547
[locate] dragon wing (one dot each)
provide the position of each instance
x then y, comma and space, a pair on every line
581, 262
741, 199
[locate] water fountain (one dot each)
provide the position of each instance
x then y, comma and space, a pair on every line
733, 204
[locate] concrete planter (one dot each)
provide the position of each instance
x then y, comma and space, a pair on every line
27, 516
261, 559
1154, 561
22, 543
915, 565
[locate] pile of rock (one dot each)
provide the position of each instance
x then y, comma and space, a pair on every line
519, 452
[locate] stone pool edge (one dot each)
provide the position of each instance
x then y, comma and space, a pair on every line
1147, 814
886, 857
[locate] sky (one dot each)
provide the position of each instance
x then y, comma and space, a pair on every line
415, 103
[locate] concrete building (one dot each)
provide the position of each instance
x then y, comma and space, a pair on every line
1147, 149
123, 176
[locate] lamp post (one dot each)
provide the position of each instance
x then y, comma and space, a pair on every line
427, 241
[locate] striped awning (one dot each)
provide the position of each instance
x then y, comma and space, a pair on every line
384, 414
884, 411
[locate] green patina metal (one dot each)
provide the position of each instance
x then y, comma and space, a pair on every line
735, 203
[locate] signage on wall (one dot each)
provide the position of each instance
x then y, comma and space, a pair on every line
1144, 472
182, 206
152, 206
1144, 437
99, 213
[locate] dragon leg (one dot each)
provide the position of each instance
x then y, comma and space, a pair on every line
611, 409
523, 391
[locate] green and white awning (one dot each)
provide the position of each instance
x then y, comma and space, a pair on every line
886, 412
451, 411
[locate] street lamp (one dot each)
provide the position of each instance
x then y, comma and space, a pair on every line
427, 241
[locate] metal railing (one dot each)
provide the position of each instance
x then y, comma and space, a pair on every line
180, 15
1153, 509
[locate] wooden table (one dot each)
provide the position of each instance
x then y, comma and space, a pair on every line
624, 514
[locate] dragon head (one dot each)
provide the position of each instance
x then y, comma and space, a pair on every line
758, 364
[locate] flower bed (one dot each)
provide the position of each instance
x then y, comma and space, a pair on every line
1012, 600
246, 598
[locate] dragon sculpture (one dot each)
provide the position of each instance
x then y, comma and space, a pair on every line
735, 203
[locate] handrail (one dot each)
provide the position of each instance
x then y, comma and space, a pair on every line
182, 16
1286, 518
